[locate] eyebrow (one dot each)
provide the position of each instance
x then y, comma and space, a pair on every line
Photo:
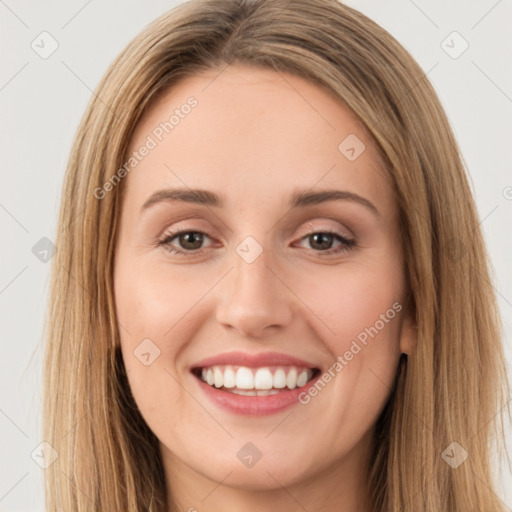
298, 199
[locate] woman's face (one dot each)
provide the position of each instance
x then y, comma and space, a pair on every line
268, 264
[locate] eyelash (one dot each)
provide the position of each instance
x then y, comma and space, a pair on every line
346, 244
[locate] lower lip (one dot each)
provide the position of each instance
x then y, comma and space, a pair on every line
254, 405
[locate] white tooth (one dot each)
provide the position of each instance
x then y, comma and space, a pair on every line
279, 379
245, 392
229, 377
302, 378
244, 378
266, 392
253, 392
209, 377
218, 377
291, 379
263, 379
203, 374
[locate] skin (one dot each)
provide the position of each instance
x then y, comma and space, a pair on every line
255, 137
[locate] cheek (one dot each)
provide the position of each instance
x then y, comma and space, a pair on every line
151, 310
352, 300
359, 311
150, 303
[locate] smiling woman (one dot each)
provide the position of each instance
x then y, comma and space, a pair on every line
287, 304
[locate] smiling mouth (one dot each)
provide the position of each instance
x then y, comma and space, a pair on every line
263, 381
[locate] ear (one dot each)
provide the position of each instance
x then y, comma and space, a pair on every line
409, 333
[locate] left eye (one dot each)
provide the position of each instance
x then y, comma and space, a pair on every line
191, 241
324, 240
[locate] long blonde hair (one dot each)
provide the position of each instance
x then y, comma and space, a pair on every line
449, 389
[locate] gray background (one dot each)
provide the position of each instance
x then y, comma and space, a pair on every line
42, 101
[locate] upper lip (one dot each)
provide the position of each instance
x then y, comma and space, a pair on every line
253, 360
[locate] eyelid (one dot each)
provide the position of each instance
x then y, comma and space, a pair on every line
184, 226
311, 228
323, 228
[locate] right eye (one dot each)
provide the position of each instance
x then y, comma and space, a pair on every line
190, 242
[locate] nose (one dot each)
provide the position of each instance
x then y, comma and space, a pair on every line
255, 299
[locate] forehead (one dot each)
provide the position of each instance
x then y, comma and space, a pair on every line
254, 129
